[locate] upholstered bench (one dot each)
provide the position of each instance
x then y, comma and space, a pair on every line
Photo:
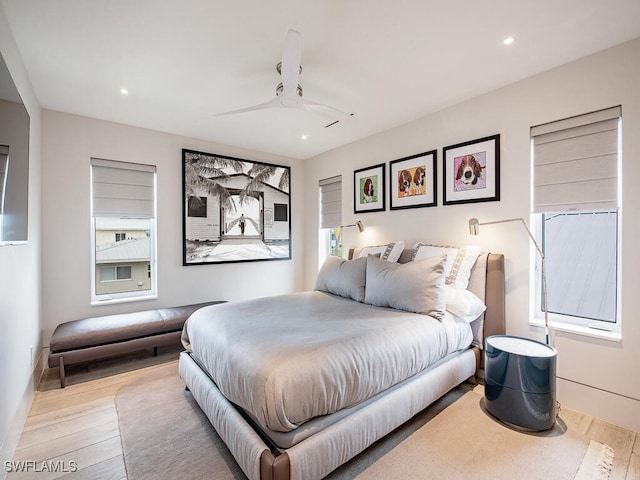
95, 338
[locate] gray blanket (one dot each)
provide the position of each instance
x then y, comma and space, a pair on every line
289, 358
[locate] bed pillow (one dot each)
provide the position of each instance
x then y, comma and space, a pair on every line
390, 252
463, 303
459, 262
414, 287
343, 277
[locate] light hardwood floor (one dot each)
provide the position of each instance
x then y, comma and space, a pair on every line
76, 428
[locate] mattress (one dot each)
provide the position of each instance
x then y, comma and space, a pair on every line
291, 358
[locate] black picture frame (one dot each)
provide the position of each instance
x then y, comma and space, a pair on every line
471, 171
369, 189
246, 215
412, 181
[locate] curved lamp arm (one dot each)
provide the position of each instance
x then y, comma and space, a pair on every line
474, 229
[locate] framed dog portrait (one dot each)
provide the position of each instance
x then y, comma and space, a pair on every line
368, 188
412, 181
471, 171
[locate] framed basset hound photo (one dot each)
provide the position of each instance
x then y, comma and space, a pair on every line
368, 188
412, 181
471, 171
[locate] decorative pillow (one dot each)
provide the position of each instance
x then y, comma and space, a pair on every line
460, 261
390, 252
343, 277
415, 286
463, 303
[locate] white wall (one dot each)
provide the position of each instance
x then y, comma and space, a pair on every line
595, 376
20, 321
68, 143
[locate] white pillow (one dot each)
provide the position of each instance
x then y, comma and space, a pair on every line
389, 252
342, 277
413, 287
463, 303
459, 262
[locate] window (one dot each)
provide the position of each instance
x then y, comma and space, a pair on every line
123, 204
280, 212
197, 207
579, 288
330, 217
335, 242
575, 197
111, 274
4, 173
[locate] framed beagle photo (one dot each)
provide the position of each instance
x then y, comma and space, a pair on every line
368, 188
471, 171
412, 181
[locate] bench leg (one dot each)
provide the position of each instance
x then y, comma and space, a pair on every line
155, 351
62, 376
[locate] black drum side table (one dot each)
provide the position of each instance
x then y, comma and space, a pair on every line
520, 382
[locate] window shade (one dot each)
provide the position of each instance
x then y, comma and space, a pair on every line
575, 163
330, 202
122, 189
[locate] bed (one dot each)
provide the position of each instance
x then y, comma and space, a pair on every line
287, 409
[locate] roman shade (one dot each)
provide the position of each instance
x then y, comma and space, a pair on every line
331, 202
122, 189
575, 163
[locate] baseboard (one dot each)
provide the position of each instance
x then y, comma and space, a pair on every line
607, 406
10, 443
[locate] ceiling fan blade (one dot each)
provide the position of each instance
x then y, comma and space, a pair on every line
289, 96
327, 111
275, 102
290, 66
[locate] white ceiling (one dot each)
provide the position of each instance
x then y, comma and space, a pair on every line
388, 62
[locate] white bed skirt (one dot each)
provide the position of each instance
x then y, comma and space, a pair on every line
320, 454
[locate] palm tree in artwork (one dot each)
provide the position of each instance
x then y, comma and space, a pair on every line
204, 172
260, 174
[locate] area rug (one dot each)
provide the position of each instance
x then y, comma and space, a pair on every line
165, 436
597, 462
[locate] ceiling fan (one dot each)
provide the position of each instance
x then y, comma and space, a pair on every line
289, 91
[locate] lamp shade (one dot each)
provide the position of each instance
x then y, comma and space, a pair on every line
474, 226
358, 224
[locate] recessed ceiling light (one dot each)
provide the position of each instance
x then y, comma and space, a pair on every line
508, 40
304, 137
124, 91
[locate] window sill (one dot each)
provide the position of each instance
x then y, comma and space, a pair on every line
10, 243
614, 335
110, 301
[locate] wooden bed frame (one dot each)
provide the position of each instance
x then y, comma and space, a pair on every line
349, 436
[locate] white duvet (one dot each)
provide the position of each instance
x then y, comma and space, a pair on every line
289, 358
